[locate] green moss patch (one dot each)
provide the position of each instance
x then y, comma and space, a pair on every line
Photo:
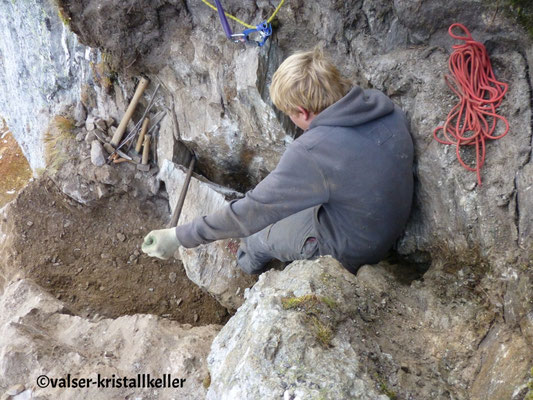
521, 10
307, 300
320, 315
207, 381
529, 394
56, 138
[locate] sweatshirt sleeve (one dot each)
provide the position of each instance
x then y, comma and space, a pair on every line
297, 183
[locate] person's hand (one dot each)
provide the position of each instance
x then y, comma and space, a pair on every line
161, 243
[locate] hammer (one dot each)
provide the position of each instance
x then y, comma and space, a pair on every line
129, 112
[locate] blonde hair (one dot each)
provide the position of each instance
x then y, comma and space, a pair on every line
309, 80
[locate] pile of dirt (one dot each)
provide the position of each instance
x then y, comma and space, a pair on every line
90, 257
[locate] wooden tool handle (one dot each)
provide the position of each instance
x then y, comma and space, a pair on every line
129, 112
146, 149
144, 128
177, 211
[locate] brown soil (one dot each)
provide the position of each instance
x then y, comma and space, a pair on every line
90, 258
14, 168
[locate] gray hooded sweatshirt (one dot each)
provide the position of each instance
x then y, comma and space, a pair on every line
354, 161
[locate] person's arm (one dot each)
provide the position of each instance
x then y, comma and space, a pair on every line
296, 184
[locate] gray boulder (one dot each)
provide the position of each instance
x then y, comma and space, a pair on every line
98, 157
267, 351
314, 330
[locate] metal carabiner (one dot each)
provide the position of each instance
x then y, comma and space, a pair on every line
238, 38
264, 29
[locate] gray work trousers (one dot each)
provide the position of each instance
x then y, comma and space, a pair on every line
292, 238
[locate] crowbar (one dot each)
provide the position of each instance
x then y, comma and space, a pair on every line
177, 211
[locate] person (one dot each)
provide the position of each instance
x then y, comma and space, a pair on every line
342, 188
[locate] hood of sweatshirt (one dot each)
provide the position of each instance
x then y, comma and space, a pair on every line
357, 107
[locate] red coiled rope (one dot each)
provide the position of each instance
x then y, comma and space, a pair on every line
480, 94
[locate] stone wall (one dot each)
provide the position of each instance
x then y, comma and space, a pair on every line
42, 69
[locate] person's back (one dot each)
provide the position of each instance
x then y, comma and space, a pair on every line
362, 145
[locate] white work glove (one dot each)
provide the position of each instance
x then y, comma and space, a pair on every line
161, 243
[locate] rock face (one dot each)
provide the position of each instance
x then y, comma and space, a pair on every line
316, 331
219, 89
213, 267
447, 194
42, 68
38, 336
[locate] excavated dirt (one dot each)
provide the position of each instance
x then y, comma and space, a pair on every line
90, 257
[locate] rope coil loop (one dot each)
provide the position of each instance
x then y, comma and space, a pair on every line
474, 118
